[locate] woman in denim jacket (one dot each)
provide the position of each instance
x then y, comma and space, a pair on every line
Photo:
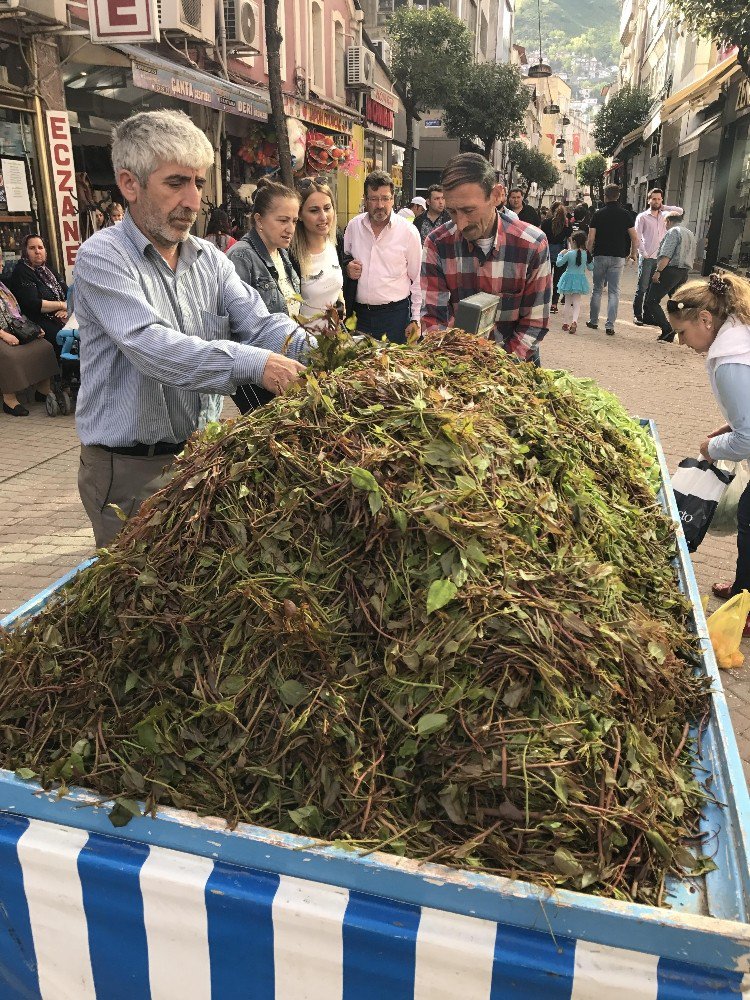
261, 260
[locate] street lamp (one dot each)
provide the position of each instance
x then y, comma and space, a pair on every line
541, 69
551, 109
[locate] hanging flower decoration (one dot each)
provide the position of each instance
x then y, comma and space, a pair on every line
260, 149
323, 155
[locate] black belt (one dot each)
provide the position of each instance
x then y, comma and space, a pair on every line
147, 450
383, 305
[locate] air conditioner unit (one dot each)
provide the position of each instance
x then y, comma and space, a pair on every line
242, 23
8, 4
383, 49
360, 68
194, 18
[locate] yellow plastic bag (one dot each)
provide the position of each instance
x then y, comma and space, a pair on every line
725, 628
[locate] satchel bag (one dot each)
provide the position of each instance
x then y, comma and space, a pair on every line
24, 330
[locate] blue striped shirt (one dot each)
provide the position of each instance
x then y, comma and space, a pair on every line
153, 339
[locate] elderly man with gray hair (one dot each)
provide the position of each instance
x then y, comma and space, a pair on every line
163, 317
674, 258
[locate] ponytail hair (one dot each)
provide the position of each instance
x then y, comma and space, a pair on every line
266, 194
580, 242
724, 294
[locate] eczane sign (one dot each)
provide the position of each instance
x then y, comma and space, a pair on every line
123, 20
64, 179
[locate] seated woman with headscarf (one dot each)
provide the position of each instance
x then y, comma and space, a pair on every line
21, 365
40, 292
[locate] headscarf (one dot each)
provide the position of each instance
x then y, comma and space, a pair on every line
44, 274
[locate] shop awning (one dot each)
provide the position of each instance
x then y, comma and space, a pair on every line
652, 124
678, 104
153, 72
691, 142
628, 140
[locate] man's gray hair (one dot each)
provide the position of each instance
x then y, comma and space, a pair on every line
673, 217
143, 141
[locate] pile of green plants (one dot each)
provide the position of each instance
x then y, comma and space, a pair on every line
423, 603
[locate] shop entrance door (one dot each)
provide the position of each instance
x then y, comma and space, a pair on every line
705, 199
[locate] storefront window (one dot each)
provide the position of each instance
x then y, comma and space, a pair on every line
734, 248
374, 153
18, 206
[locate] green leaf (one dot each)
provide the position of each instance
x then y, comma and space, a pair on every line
292, 693
25, 773
123, 811
308, 819
431, 723
364, 480
561, 788
441, 592
659, 844
658, 652
131, 681
566, 863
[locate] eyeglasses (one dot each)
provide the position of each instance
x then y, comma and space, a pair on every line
305, 182
381, 200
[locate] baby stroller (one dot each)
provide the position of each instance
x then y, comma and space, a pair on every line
65, 386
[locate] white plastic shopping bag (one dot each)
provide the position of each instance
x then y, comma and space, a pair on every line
698, 487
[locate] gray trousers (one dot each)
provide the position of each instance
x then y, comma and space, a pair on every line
105, 478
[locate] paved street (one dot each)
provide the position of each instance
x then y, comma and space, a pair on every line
44, 531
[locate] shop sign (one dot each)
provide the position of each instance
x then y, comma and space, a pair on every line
123, 21
743, 95
198, 88
64, 182
433, 123
378, 114
314, 114
386, 98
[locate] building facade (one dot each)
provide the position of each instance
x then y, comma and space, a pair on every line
70, 72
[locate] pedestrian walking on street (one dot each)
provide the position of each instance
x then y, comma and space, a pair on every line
612, 240
650, 226
674, 258
581, 216
713, 318
558, 231
525, 212
417, 206
386, 258
574, 283
435, 216
483, 249
162, 316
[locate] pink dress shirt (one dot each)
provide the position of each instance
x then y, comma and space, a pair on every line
651, 229
391, 262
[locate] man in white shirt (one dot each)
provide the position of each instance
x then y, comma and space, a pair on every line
386, 261
650, 227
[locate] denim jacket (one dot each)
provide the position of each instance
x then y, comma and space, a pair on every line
253, 264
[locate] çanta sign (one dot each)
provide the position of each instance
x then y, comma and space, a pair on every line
123, 20
64, 179
199, 88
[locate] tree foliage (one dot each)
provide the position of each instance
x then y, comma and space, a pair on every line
724, 21
489, 105
534, 166
590, 170
628, 109
431, 55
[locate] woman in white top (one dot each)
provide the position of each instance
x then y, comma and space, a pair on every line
315, 253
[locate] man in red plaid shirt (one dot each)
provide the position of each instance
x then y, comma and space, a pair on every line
483, 250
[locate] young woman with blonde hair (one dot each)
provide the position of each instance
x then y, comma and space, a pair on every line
713, 318
315, 253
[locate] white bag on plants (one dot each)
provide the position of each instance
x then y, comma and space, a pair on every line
724, 521
698, 487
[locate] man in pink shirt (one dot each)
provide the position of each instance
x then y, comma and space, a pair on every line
651, 227
386, 261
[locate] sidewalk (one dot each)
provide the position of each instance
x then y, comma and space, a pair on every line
44, 531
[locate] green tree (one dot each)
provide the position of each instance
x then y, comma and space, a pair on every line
489, 105
724, 21
590, 170
274, 38
431, 54
535, 167
627, 110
